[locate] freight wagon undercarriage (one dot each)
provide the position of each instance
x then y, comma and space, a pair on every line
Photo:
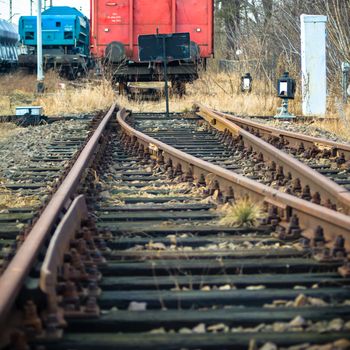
186, 72
179, 73
68, 66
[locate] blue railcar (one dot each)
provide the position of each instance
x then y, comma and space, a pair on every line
65, 35
8, 45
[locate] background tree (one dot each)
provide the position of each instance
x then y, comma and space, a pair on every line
263, 36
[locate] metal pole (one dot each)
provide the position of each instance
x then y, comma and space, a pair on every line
345, 67
40, 73
31, 7
51, 3
344, 85
11, 10
165, 61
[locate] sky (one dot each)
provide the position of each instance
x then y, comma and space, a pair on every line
22, 7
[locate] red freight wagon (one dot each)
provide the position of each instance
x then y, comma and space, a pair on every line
116, 25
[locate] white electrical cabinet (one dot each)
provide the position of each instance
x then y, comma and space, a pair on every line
313, 64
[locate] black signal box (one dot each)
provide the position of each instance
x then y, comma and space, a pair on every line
286, 86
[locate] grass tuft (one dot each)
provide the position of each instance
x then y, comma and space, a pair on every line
243, 212
13, 200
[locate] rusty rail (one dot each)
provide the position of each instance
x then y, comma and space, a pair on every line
310, 215
294, 138
59, 244
327, 188
13, 277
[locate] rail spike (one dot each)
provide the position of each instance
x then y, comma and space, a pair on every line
230, 196
293, 231
170, 173
279, 174
146, 155
318, 240
296, 185
31, 321
344, 270
335, 254
91, 306
141, 151
169, 164
338, 250
160, 159
306, 193
135, 148
273, 218
316, 198
201, 180
70, 299
189, 176
215, 191
178, 170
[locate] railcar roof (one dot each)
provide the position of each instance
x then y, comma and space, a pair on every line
49, 16
63, 10
8, 31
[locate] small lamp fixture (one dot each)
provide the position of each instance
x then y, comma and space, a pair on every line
246, 83
285, 90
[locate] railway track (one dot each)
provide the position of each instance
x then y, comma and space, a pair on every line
31, 175
314, 168
143, 260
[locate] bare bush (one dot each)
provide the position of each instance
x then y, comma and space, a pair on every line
264, 35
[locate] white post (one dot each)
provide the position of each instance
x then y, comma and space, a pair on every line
40, 73
313, 64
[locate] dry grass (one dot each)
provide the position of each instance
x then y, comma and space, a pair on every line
26, 83
340, 122
78, 100
243, 212
213, 89
222, 91
8, 130
216, 90
10, 199
19, 89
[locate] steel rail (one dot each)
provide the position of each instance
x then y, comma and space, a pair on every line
310, 215
327, 188
59, 245
294, 138
13, 277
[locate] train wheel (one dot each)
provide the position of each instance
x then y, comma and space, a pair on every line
123, 89
179, 88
